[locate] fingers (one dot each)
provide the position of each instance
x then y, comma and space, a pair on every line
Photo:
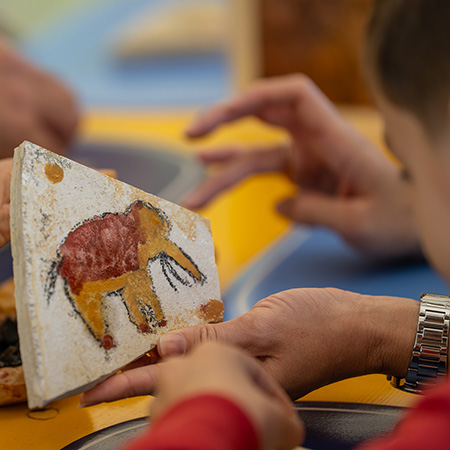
22, 121
279, 101
274, 391
246, 104
339, 214
279, 416
142, 379
291, 433
289, 429
224, 370
139, 381
231, 332
242, 106
150, 358
41, 134
34, 105
218, 155
57, 107
236, 165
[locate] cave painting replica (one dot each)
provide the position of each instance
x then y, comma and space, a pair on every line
102, 270
110, 253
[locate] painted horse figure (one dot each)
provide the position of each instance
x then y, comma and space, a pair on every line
110, 253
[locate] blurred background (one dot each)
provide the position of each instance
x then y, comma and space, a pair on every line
127, 53
142, 69
184, 53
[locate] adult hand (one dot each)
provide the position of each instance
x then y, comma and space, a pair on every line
34, 105
214, 368
345, 182
5, 182
305, 338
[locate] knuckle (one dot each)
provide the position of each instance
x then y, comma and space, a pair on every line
207, 333
303, 82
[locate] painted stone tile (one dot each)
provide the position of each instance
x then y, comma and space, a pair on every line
101, 270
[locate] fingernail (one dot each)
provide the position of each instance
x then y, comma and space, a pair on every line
172, 345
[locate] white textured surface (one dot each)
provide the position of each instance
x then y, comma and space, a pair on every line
60, 356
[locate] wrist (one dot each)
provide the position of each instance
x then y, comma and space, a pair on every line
392, 325
369, 334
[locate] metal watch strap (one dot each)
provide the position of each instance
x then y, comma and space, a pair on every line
428, 364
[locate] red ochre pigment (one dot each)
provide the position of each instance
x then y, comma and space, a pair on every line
107, 342
102, 248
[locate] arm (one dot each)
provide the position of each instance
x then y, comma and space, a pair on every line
345, 183
34, 105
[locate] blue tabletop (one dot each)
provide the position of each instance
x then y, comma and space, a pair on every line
319, 258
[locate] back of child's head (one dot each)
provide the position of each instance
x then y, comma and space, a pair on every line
408, 56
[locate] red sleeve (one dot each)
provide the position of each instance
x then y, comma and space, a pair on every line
425, 427
206, 422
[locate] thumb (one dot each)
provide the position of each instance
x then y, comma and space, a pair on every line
181, 341
319, 209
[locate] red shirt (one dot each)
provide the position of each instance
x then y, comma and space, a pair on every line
206, 422
425, 427
211, 422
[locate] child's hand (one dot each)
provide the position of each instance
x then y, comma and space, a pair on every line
219, 369
214, 368
34, 105
345, 182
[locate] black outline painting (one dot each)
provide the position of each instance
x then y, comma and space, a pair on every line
109, 254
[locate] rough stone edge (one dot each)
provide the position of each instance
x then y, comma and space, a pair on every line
26, 321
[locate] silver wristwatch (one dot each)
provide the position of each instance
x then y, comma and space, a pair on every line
428, 364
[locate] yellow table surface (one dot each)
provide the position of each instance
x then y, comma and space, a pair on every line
236, 219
